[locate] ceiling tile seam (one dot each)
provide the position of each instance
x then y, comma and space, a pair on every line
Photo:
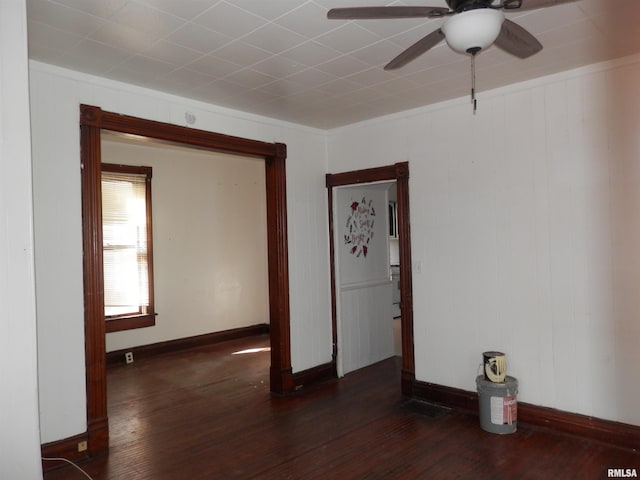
249, 67
84, 12
151, 4
212, 52
80, 37
279, 16
273, 22
363, 24
240, 37
83, 37
154, 40
166, 36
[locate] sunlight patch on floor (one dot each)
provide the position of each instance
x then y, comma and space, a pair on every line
252, 350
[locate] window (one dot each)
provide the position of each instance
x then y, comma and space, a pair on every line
127, 247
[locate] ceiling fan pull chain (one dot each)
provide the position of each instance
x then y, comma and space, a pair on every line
474, 102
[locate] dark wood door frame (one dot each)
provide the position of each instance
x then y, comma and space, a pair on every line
400, 173
92, 121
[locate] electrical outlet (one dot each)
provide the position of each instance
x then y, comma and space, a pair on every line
128, 357
82, 446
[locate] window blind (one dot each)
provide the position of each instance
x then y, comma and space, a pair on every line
124, 223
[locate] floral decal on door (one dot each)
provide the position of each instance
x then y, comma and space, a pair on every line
359, 227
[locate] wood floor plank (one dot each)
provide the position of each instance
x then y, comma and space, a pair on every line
208, 414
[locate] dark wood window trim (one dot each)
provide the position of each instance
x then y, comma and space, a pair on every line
92, 121
147, 319
400, 173
129, 322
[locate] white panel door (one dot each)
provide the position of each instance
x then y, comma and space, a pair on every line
364, 310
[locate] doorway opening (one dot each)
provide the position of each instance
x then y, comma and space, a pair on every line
93, 120
398, 173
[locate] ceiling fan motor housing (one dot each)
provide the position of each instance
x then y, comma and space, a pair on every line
473, 30
463, 5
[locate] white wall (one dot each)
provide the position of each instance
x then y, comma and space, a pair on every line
525, 219
55, 98
209, 240
19, 433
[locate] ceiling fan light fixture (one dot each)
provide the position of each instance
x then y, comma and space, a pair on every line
473, 30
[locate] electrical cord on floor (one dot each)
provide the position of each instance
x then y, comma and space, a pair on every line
69, 462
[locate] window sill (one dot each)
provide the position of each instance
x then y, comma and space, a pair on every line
129, 322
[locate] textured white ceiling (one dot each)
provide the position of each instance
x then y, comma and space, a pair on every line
285, 60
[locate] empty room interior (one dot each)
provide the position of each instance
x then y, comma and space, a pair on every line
319, 239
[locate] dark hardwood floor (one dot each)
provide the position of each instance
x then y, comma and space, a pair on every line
208, 414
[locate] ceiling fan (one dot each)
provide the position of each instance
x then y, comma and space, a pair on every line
472, 26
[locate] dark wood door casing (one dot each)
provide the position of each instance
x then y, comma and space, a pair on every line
400, 173
92, 121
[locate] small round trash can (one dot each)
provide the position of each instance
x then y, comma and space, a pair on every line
498, 404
